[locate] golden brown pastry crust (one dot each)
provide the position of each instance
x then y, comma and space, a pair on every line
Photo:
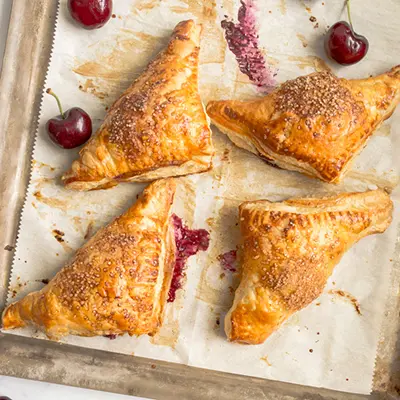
289, 252
314, 124
156, 129
117, 283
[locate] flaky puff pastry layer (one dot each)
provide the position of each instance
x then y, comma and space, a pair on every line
289, 252
314, 124
117, 283
157, 129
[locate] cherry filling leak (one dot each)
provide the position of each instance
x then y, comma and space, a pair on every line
111, 337
242, 39
228, 260
188, 243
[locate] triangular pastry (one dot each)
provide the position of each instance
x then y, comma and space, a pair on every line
158, 128
314, 124
117, 283
289, 252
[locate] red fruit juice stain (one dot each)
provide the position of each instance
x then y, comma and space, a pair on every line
242, 39
111, 337
188, 243
228, 260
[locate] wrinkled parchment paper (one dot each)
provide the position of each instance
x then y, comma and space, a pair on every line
329, 344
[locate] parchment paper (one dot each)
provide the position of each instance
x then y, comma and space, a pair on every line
328, 344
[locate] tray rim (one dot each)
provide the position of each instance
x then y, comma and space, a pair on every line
25, 64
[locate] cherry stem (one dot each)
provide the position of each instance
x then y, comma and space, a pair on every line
49, 91
349, 14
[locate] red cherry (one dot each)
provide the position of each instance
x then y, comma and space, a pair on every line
343, 44
70, 129
91, 14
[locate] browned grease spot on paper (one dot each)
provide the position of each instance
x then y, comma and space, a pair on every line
213, 45
90, 87
41, 182
42, 215
89, 230
15, 289
213, 91
205, 292
39, 164
210, 222
318, 64
265, 359
145, 5
272, 61
241, 82
110, 74
187, 192
225, 155
384, 130
308, 9
168, 334
52, 202
129, 44
59, 236
77, 221
219, 293
282, 6
347, 297
223, 219
302, 39
385, 183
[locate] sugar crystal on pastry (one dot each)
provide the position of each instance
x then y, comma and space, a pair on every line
290, 249
158, 128
315, 95
120, 280
315, 124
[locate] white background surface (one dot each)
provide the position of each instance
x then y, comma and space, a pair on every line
19, 389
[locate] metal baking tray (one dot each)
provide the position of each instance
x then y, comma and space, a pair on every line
26, 59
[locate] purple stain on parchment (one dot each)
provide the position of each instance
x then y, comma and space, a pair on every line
228, 260
242, 39
111, 337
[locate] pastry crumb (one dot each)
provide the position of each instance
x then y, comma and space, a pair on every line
265, 359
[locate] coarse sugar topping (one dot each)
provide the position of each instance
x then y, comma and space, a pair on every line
319, 94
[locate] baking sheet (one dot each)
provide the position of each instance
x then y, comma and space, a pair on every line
195, 319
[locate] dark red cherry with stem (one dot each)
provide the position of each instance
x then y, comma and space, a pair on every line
90, 14
4, 398
70, 129
344, 45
